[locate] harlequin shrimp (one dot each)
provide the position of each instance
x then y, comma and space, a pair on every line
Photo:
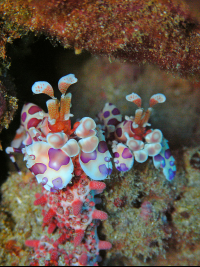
49, 143
132, 140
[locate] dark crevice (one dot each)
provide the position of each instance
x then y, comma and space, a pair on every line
136, 203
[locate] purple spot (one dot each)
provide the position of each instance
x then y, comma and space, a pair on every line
110, 104
171, 163
34, 109
124, 122
106, 114
58, 184
158, 158
115, 111
113, 122
57, 158
116, 155
23, 116
86, 157
44, 181
171, 174
107, 159
53, 190
38, 168
167, 154
33, 123
102, 147
122, 167
161, 159
117, 161
119, 132
126, 154
103, 169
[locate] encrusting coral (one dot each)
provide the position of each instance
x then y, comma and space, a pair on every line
8, 104
151, 220
160, 32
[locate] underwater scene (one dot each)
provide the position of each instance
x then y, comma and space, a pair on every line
100, 133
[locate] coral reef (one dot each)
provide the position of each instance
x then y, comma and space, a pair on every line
148, 217
20, 219
158, 222
161, 32
8, 103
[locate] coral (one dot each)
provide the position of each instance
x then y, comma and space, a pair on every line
8, 104
171, 229
161, 32
157, 219
140, 227
20, 219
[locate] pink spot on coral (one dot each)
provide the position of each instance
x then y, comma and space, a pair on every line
146, 210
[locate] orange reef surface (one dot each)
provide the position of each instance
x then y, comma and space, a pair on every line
163, 32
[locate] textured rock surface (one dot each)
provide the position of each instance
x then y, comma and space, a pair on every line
157, 218
161, 32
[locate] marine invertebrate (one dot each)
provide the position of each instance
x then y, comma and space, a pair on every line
131, 138
49, 143
72, 222
55, 153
